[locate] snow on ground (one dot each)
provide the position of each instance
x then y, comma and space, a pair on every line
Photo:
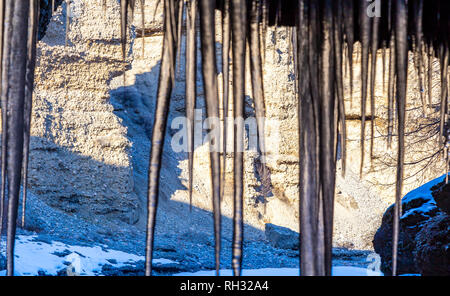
336, 271
36, 257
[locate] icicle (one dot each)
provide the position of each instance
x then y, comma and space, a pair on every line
349, 34
14, 72
383, 57
418, 54
31, 62
391, 76
123, 28
401, 45
3, 107
430, 74
226, 35
159, 127
67, 21
131, 4
310, 255
264, 24
365, 33
179, 32
143, 27
374, 47
238, 21
208, 49
443, 59
156, 9
326, 127
257, 85
123, 37
191, 85
338, 53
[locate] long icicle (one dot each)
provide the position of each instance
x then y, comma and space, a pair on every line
401, 45
338, 50
179, 31
165, 84
3, 107
123, 33
310, 254
327, 128
191, 86
374, 47
31, 62
226, 35
349, 34
430, 74
143, 27
207, 28
238, 21
419, 50
365, 33
67, 21
391, 77
258, 87
264, 24
15, 65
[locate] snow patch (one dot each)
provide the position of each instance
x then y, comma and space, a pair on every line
35, 257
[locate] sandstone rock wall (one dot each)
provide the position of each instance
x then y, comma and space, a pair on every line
91, 130
79, 160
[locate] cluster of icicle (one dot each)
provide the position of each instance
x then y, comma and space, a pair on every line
323, 34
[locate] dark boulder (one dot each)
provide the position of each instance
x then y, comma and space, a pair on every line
432, 253
420, 243
441, 194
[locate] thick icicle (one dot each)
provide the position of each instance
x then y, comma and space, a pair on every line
159, 127
208, 49
327, 128
311, 259
239, 26
257, 85
31, 62
14, 68
401, 45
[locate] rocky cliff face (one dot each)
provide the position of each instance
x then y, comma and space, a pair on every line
91, 129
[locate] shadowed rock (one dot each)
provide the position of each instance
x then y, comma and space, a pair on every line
282, 237
441, 195
432, 254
